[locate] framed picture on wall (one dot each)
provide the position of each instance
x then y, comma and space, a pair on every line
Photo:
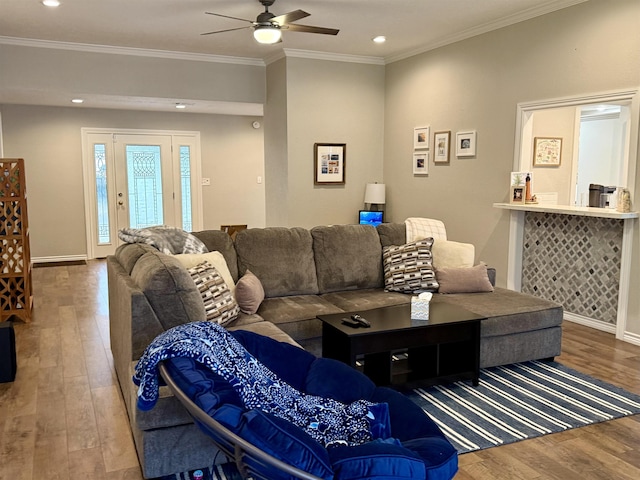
330, 162
547, 151
421, 137
421, 163
441, 145
466, 144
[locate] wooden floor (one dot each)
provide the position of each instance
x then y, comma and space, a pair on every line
63, 417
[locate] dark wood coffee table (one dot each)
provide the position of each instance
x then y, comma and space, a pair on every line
444, 348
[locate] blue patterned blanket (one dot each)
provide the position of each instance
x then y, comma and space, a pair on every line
328, 421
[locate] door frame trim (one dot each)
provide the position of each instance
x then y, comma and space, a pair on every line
89, 183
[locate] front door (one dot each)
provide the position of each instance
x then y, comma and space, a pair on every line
136, 181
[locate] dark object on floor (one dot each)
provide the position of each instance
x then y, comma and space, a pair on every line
225, 471
267, 447
8, 365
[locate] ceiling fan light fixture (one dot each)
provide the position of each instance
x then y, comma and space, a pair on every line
267, 34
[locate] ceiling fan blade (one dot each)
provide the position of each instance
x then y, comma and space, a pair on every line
290, 17
227, 30
227, 16
310, 29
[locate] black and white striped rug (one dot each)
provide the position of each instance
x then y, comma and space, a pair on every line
521, 401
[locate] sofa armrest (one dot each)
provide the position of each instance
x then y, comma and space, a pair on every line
491, 273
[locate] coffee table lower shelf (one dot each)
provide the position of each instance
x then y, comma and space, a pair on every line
429, 353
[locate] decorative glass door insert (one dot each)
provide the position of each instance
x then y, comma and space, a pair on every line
137, 181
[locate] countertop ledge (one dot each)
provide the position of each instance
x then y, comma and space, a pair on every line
568, 210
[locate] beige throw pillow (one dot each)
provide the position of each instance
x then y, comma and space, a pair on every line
216, 259
464, 280
249, 293
448, 254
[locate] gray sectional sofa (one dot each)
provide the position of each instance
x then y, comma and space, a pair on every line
304, 273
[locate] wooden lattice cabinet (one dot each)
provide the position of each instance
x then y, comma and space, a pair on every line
16, 298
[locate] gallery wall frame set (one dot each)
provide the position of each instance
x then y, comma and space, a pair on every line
329, 162
465, 146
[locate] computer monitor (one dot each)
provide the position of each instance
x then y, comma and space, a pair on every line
370, 217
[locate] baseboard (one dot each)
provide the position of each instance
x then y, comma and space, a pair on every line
633, 338
589, 322
61, 260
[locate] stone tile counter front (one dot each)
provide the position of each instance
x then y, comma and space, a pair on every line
575, 261
576, 256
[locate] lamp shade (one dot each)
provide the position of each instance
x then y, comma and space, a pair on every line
267, 34
374, 193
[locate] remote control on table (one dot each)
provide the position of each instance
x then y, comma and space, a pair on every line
356, 321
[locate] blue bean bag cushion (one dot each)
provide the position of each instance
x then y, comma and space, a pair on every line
411, 446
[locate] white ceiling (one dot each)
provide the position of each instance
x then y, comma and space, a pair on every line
411, 26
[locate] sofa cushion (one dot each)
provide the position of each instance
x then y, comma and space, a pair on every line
129, 253
508, 312
288, 443
408, 268
249, 293
376, 460
220, 305
296, 315
392, 234
169, 289
348, 257
464, 280
282, 258
205, 387
438, 455
219, 241
327, 377
367, 299
267, 329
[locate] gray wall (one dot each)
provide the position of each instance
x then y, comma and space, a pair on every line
82, 72
326, 102
477, 84
275, 145
49, 139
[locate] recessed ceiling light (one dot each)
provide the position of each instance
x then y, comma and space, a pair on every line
380, 39
77, 100
51, 3
180, 105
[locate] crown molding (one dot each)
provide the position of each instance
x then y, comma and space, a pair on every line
537, 11
140, 52
335, 57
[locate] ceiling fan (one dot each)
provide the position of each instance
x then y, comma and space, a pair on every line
267, 28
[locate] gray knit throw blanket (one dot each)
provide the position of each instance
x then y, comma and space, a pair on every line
169, 240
